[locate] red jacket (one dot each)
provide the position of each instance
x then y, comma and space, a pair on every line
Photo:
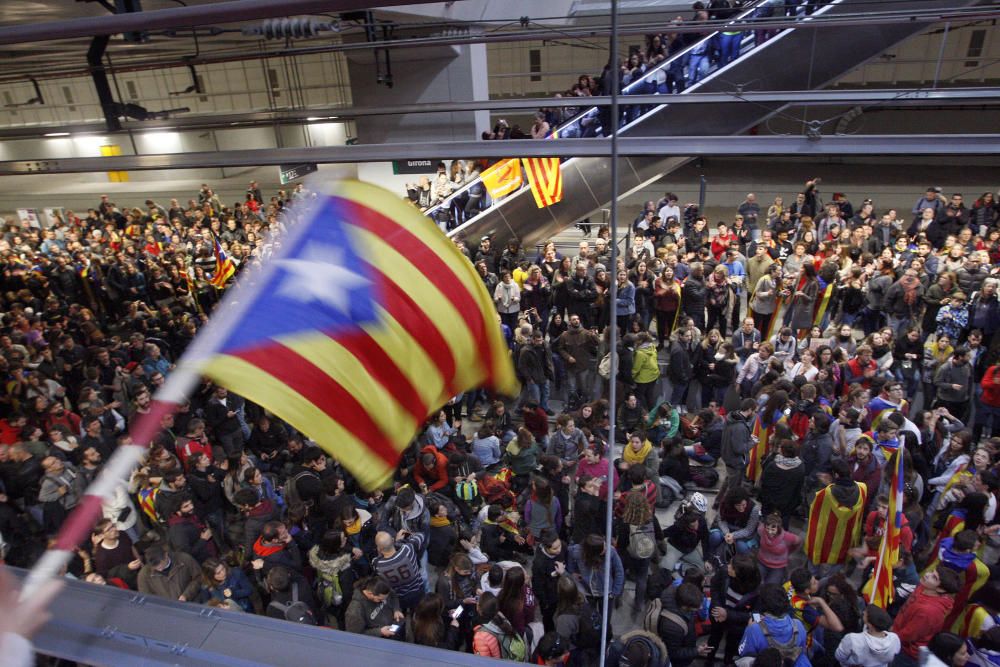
920, 619
991, 386
436, 478
193, 447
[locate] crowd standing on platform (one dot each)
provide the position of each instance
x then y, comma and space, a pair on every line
771, 368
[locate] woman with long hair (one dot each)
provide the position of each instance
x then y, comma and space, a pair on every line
428, 626
666, 302
586, 564
636, 533
542, 509
735, 525
516, 599
223, 583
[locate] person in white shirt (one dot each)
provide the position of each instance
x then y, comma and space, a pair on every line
874, 646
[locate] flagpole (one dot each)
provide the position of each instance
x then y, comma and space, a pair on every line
81, 520
613, 338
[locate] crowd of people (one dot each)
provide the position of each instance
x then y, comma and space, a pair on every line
781, 363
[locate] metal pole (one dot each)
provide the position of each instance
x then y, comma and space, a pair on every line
944, 41
181, 17
613, 324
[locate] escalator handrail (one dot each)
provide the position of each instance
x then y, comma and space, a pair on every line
666, 63
749, 11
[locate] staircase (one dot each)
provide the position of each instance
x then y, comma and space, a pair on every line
794, 59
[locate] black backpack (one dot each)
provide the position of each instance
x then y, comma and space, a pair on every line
296, 610
588, 632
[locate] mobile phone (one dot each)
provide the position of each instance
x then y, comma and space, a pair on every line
755, 617
457, 612
394, 628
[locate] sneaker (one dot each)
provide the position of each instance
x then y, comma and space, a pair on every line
550, 413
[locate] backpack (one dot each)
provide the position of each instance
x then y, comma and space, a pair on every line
790, 650
704, 477
604, 368
640, 543
512, 646
328, 590
292, 496
466, 491
654, 612
588, 632
295, 611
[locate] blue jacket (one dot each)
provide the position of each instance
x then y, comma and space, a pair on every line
592, 579
626, 299
781, 631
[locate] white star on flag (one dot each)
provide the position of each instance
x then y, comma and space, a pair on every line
319, 275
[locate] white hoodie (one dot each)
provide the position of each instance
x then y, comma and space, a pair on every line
865, 650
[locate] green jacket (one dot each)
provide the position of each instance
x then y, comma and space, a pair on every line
645, 367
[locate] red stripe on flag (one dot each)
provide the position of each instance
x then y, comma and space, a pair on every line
831, 526
541, 181
435, 270
385, 370
314, 385
814, 521
414, 319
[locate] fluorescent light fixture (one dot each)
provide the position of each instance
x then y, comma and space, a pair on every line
313, 119
57, 134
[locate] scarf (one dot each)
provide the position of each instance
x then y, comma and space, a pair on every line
354, 528
910, 285
631, 456
787, 462
440, 521
261, 550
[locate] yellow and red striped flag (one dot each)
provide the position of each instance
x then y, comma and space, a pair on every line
503, 178
367, 321
832, 529
879, 589
225, 268
545, 179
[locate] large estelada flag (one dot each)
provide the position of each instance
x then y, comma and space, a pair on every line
367, 320
545, 179
503, 178
832, 529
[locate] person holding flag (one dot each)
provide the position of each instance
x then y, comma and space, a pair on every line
879, 590
225, 268
772, 414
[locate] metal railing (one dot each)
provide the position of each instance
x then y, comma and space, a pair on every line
587, 123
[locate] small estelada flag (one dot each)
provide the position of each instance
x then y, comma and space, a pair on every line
545, 179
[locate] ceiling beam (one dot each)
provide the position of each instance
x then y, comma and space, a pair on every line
911, 144
230, 11
799, 98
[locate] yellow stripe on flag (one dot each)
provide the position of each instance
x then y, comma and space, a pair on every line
503, 178
545, 179
347, 370
428, 233
263, 389
448, 320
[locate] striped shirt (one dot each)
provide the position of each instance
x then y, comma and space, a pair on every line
402, 570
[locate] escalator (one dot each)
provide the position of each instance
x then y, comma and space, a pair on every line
806, 59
